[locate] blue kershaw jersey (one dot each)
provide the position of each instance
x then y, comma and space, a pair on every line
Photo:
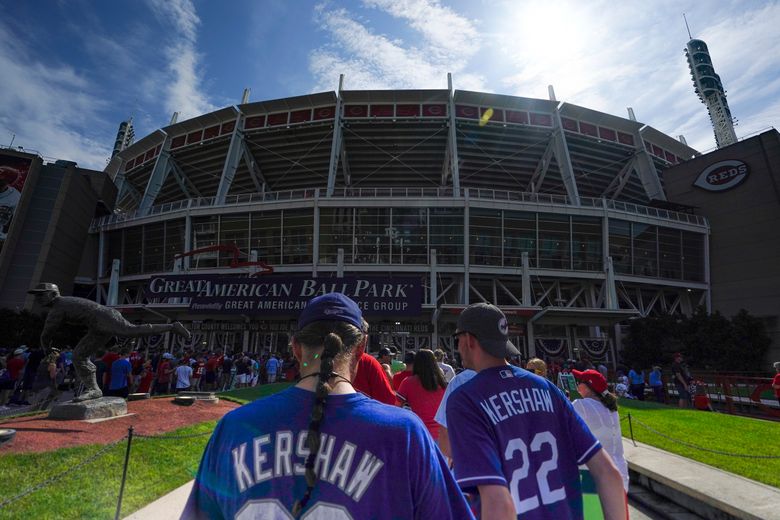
512, 428
375, 461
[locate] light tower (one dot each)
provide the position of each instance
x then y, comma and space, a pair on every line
709, 88
124, 136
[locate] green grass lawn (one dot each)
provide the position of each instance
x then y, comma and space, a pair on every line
156, 467
713, 431
246, 395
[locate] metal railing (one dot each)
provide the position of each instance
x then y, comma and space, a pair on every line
402, 193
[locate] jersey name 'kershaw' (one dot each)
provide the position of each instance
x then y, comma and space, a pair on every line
503, 405
254, 463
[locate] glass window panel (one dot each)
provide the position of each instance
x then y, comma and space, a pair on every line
234, 229
154, 247
133, 250
372, 233
485, 236
554, 245
266, 236
620, 245
205, 233
669, 253
174, 241
693, 256
409, 236
336, 232
645, 249
586, 248
297, 236
519, 237
114, 250
446, 234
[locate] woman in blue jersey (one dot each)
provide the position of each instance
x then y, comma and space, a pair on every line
320, 449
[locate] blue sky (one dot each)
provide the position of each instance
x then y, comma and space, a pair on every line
71, 70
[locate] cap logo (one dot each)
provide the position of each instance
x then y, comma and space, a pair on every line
330, 312
503, 327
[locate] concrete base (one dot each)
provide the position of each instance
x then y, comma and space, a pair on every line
138, 397
91, 409
203, 397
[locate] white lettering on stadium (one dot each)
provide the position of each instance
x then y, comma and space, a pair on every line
340, 467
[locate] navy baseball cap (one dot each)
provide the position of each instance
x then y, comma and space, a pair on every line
488, 324
331, 307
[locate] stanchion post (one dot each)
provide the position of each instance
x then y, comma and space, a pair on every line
631, 429
124, 472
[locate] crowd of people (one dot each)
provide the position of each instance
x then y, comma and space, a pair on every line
329, 445
33, 377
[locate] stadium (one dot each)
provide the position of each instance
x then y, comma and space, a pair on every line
416, 203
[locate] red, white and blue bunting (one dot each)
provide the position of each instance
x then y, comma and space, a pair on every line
552, 347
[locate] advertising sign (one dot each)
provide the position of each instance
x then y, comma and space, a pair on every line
285, 295
722, 176
13, 174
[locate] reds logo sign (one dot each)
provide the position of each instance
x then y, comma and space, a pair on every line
722, 176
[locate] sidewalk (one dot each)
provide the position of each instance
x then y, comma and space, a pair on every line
168, 507
736, 496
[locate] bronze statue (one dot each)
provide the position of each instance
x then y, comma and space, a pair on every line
102, 324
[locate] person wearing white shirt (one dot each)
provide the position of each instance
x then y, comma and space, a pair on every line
446, 369
598, 409
183, 375
441, 414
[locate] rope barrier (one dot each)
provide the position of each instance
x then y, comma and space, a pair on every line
57, 477
719, 452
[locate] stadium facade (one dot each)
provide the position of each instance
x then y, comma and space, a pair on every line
415, 202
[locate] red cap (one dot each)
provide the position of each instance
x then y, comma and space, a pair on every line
593, 379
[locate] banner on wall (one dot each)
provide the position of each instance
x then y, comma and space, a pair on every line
279, 295
13, 174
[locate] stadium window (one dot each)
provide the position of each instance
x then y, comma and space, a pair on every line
620, 245
645, 245
446, 235
154, 247
409, 236
670, 253
234, 229
485, 236
205, 233
133, 250
336, 230
373, 234
587, 243
297, 236
554, 241
519, 237
693, 256
266, 236
174, 241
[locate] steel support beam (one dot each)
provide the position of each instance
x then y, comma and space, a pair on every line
564, 160
453, 141
258, 179
541, 169
620, 180
158, 175
184, 181
646, 170
232, 161
335, 147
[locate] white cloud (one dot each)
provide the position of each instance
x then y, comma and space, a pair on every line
52, 108
375, 61
183, 86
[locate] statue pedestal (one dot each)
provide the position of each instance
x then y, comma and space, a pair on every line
92, 409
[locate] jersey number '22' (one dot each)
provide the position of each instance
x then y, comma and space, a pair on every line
518, 449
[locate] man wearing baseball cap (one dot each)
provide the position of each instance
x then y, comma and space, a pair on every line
516, 441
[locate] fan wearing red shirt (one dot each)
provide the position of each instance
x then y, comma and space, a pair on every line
372, 381
108, 358
400, 376
776, 381
424, 389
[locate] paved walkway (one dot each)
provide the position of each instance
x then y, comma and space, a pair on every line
737, 496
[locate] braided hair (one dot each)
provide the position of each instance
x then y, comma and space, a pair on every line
338, 339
